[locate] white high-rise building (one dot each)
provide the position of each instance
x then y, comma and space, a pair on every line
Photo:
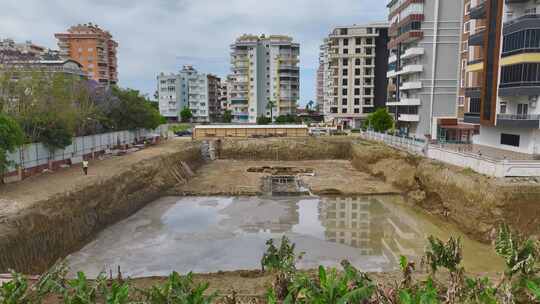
264, 69
188, 88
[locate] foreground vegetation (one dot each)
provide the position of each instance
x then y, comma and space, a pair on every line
446, 281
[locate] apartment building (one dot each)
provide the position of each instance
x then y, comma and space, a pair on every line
356, 61
319, 88
187, 89
224, 96
264, 72
423, 64
503, 73
92, 47
214, 93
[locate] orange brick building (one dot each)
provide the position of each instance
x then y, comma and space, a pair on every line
94, 48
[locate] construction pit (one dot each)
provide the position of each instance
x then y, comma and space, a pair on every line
170, 208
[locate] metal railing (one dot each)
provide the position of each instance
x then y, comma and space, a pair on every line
518, 116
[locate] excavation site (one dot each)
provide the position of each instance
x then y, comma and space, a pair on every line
209, 207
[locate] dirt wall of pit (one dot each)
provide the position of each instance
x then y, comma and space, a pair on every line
285, 149
477, 204
37, 237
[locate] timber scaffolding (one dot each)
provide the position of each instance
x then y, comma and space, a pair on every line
285, 185
249, 131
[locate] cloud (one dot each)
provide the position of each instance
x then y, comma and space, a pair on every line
160, 35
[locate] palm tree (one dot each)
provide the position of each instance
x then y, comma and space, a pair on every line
270, 106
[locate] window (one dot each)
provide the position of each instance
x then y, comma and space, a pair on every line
357, 101
90, 49
357, 72
369, 51
503, 107
344, 81
343, 31
345, 61
345, 72
510, 139
357, 91
358, 41
523, 109
344, 92
367, 91
358, 61
345, 51
461, 101
357, 81
356, 111
358, 51
345, 41
465, 45
369, 41
467, 8
466, 27
344, 110
344, 102
368, 61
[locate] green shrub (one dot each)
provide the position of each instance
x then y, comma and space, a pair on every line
178, 289
14, 291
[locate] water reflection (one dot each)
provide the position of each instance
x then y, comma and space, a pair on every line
207, 234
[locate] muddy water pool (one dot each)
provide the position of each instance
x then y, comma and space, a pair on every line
209, 234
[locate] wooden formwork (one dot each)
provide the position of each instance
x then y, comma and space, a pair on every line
202, 132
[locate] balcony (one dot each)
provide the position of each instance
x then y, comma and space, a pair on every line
411, 85
519, 120
472, 118
391, 74
473, 92
479, 11
521, 88
477, 39
413, 52
405, 38
405, 102
409, 117
525, 21
411, 69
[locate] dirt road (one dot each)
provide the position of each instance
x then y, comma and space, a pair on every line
16, 196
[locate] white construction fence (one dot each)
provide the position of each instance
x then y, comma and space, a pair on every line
32, 158
478, 163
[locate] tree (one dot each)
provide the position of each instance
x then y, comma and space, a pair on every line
270, 106
288, 119
227, 116
56, 134
309, 106
263, 120
186, 114
11, 137
132, 111
379, 121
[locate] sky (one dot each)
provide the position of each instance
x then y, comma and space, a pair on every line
162, 35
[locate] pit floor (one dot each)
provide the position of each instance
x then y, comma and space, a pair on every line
231, 177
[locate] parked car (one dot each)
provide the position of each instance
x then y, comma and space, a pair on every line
183, 133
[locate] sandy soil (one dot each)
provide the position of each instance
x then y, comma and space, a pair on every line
226, 177
16, 196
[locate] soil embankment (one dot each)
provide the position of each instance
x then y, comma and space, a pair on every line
285, 149
35, 231
476, 203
